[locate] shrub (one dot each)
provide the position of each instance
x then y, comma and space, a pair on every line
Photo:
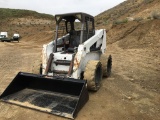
117, 22
106, 22
138, 19
148, 1
98, 23
155, 15
149, 17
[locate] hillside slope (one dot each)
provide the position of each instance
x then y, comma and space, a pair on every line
129, 10
27, 23
133, 24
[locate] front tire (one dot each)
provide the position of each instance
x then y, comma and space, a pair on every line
93, 75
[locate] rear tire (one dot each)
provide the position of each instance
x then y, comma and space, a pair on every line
106, 65
93, 74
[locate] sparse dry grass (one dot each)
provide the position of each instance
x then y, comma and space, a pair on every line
138, 19
16, 13
137, 9
120, 21
148, 1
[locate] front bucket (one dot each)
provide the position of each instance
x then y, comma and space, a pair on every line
59, 96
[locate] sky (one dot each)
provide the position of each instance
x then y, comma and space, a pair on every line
93, 7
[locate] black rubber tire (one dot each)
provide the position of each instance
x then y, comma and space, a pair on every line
93, 75
109, 66
106, 65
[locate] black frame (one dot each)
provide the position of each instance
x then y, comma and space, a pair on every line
70, 17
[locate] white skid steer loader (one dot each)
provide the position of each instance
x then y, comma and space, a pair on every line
70, 65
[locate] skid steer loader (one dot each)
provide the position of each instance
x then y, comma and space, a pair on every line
71, 65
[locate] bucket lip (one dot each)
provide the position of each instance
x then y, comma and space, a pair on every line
70, 116
54, 78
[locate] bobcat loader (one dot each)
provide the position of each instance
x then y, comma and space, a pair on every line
71, 65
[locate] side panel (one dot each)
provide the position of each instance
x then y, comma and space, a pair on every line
46, 51
79, 66
103, 47
84, 53
99, 38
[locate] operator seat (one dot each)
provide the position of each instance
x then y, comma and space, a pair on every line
74, 40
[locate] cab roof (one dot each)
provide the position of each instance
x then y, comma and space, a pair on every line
79, 15
75, 13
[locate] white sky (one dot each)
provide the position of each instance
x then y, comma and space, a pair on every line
93, 7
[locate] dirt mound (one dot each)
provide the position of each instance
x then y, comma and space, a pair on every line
26, 23
133, 24
39, 38
136, 35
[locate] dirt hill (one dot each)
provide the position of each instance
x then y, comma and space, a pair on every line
134, 23
29, 24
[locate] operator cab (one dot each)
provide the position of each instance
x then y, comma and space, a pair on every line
75, 28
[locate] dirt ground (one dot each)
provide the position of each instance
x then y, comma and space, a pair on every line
131, 93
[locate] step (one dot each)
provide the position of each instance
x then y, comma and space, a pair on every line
62, 62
